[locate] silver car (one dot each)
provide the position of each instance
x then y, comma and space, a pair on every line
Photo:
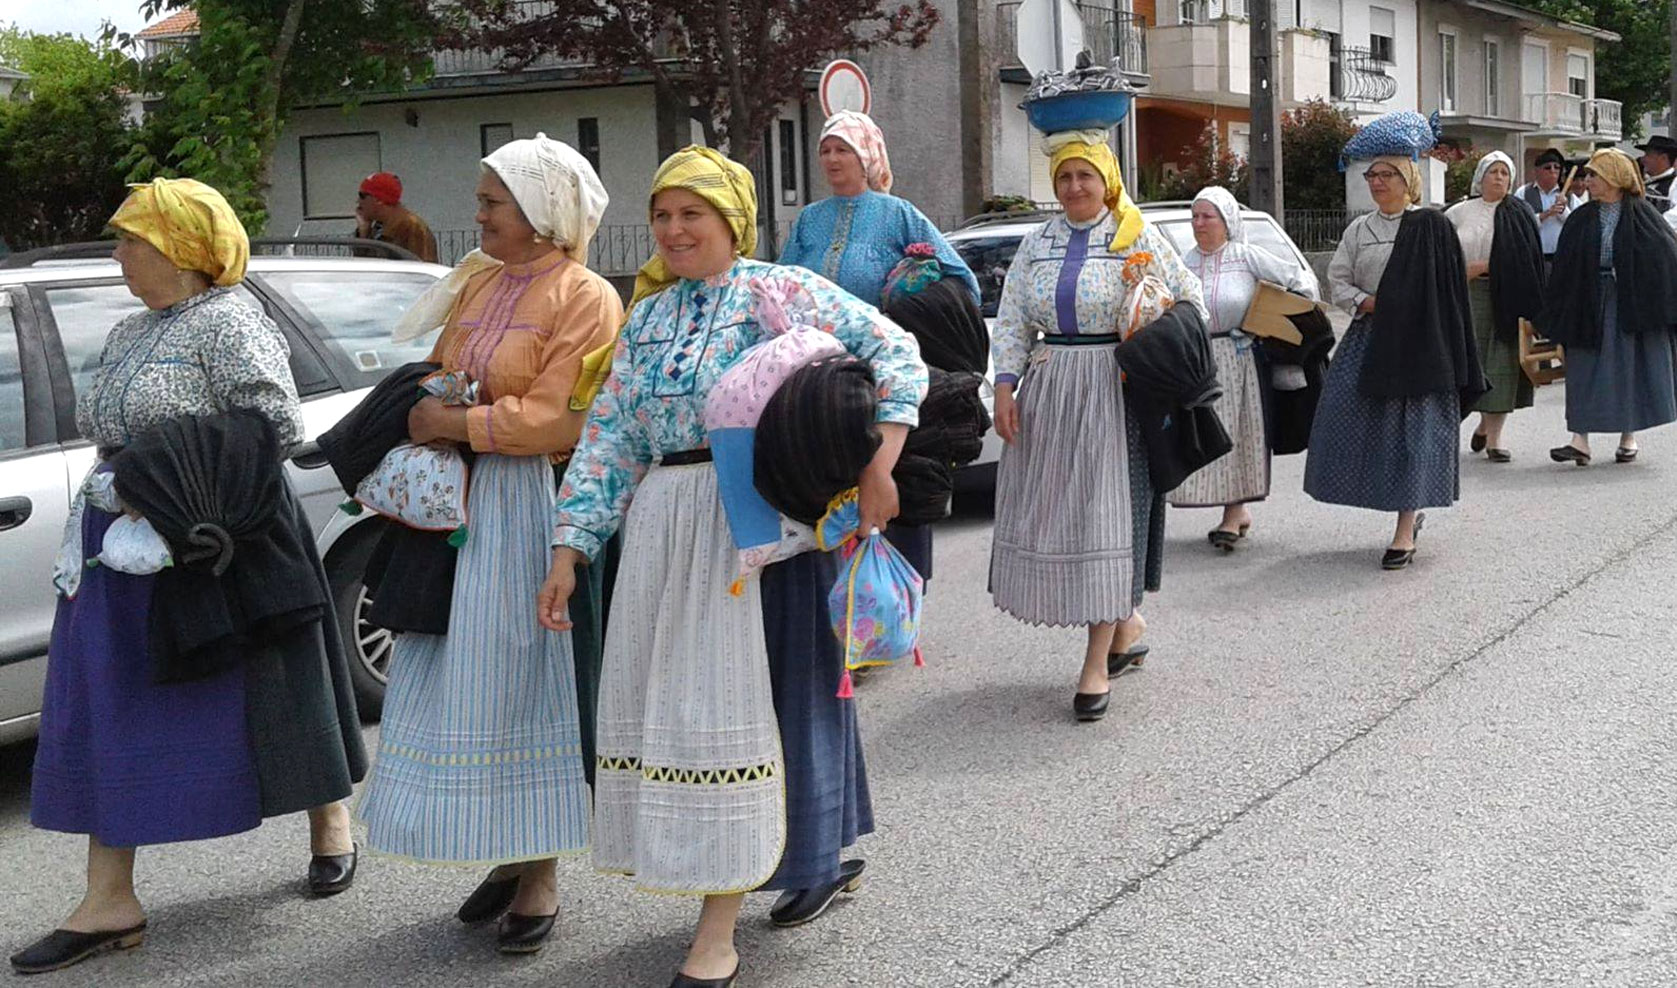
336, 313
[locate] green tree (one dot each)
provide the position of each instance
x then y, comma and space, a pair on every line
224, 98
1636, 70
1311, 139
61, 138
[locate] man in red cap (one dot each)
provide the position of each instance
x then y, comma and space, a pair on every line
380, 215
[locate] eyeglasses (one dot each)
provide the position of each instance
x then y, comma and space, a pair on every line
1380, 176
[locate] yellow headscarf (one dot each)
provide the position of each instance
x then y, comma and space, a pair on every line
191, 224
1616, 168
1091, 146
726, 185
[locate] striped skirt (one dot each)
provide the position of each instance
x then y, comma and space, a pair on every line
1243, 473
690, 786
480, 757
1073, 501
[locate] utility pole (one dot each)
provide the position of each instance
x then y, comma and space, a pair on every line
1265, 154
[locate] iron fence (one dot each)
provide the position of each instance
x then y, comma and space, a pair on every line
1318, 229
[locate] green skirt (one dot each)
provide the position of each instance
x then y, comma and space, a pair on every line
1510, 388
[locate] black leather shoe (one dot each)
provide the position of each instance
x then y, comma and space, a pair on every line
685, 981
524, 934
1476, 442
795, 907
1625, 454
1569, 454
1117, 662
489, 900
330, 874
1090, 706
62, 948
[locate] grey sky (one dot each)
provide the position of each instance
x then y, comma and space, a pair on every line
75, 16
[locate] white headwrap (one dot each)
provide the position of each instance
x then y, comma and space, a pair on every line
1484, 166
560, 196
1228, 207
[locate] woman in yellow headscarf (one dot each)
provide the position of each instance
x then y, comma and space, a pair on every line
124, 756
1078, 537
727, 762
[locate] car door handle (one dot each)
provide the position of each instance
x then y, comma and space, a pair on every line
14, 511
308, 456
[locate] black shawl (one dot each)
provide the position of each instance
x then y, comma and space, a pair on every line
1290, 415
1644, 264
1170, 379
816, 434
214, 488
946, 320
409, 573
1516, 268
1421, 342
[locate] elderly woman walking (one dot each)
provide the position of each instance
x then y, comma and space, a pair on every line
1229, 270
142, 741
1612, 302
727, 761
1504, 255
1387, 425
480, 754
1077, 539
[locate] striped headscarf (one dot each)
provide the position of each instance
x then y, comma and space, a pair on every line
191, 224
726, 185
1091, 146
864, 137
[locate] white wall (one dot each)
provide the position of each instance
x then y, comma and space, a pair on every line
437, 158
1406, 57
1016, 145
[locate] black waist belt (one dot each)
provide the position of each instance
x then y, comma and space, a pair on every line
1053, 339
687, 458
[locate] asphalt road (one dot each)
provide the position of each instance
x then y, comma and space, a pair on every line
1461, 774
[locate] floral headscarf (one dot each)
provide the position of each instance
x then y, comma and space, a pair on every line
864, 137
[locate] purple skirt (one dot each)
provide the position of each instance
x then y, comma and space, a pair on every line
120, 757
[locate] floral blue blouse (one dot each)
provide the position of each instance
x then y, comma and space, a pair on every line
855, 241
1066, 280
675, 348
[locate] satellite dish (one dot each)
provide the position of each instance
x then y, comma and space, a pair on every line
1050, 34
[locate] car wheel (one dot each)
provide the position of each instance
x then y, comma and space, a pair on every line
369, 646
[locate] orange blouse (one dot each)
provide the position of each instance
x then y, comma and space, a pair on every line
521, 331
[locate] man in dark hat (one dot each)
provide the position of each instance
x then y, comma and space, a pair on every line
1547, 199
1657, 157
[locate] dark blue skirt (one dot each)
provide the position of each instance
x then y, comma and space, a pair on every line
120, 757
827, 804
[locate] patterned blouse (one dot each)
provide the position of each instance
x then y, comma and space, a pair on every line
206, 355
521, 331
1229, 277
1067, 280
1360, 261
674, 349
855, 241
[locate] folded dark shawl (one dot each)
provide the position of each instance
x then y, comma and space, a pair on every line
213, 487
1170, 380
1644, 264
946, 320
816, 434
1421, 341
375, 426
1516, 267
1290, 415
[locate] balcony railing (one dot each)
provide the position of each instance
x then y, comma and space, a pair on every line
1607, 119
1109, 32
1363, 78
1206, 11
1558, 113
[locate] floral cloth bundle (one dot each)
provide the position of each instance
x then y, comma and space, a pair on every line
423, 487
875, 605
1147, 295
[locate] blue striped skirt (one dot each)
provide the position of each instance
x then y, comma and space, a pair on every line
480, 758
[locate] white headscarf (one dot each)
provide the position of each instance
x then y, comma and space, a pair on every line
1228, 207
1484, 166
559, 194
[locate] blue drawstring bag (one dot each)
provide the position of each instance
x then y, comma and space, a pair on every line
875, 605
1402, 132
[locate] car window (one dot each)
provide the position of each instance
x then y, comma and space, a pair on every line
353, 311
1264, 233
1180, 232
989, 258
12, 435
85, 314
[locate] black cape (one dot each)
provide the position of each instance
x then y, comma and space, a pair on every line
947, 322
1290, 415
214, 488
409, 573
1516, 268
1170, 379
1644, 264
1422, 338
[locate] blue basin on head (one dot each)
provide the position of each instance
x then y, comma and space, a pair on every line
1079, 111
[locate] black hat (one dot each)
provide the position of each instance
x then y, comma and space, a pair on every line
1661, 143
1551, 156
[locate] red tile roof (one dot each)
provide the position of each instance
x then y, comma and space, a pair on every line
185, 22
